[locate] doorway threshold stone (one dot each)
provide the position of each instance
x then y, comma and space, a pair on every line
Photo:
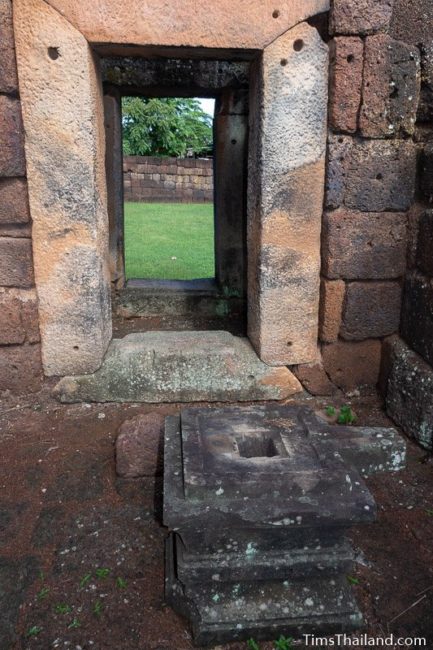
187, 366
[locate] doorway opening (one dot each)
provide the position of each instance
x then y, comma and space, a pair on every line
169, 227
177, 146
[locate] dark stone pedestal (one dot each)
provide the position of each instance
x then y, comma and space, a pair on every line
258, 500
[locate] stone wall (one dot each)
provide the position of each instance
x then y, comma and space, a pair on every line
377, 236
182, 180
20, 356
371, 186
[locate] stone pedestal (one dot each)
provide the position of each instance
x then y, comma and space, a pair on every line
258, 500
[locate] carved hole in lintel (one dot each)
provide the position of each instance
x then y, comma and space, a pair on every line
54, 53
298, 45
276, 13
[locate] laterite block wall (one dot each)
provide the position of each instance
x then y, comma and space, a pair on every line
182, 180
20, 355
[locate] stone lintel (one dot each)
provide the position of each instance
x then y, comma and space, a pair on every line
194, 23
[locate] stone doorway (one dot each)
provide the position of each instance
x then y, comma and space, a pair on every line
59, 51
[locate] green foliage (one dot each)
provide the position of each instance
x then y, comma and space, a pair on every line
74, 625
284, 643
63, 608
330, 411
121, 583
97, 608
85, 580
166, 126
102, 573
429, 511
43, 593
353, 581
33, 631
346, 415
253, 645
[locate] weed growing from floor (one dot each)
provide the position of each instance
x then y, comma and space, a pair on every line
33, 631
63, 608
353, 581
283, 643
102, 573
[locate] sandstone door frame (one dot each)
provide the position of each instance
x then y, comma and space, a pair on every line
57, 46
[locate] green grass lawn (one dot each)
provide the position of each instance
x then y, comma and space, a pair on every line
169, 241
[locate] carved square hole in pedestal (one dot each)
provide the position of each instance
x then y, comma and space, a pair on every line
257, 447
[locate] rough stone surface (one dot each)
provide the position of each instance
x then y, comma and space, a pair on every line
371, 175
18, 317
12, 161
8, 70
286, 168
14, 203
314, 379
268, 482
391, 86
180, 367
20, 368
351, 365
345, 83
139, 446
68, 196
364, 246
360, 16
16, 575
371, 310
331, 309
16, 267
427, 171
424, 256
195, 23
417, 314
409, 393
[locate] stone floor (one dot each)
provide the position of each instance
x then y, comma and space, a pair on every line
81, 558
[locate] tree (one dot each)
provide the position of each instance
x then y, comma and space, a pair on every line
165, 127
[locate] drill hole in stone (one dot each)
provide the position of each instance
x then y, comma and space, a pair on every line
298, 45
257, 447
283, 62
350, 58
379, 177
275, 14
53, 53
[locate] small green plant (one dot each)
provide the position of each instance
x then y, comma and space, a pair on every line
102, 573
62, 608
74, 625
330, 411
43, 593
284, 643
352, 580
346, 415
429, 511
33, 631
97, 608
253, 645
85, 580
120, 583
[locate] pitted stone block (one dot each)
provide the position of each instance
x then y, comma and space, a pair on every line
258, 499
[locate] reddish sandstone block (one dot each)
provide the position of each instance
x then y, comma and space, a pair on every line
20, 368
314, 379
391, 87
371, 309
360, 16
364, 245
139, 445
12, 161
351, 365
14, 203
331, 307
16, 264
11, 325
8, 69
345, 83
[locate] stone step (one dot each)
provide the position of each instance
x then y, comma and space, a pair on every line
187, 366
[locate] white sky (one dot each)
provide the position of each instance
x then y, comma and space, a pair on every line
208, 105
